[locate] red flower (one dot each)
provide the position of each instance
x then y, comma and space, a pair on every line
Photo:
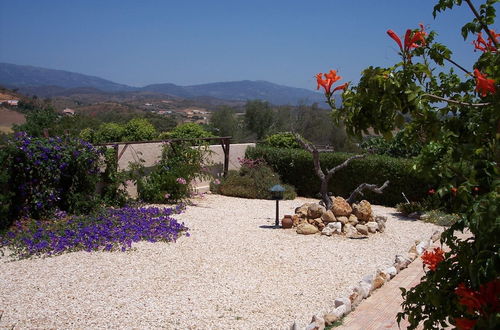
483, 84
341, 87
453, 191
489, 46
485, 300
413, 39
465, 324
431, 192
432, 259
468, 298
327, 83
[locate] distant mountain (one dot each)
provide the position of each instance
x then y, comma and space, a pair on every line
52, 83
13, 75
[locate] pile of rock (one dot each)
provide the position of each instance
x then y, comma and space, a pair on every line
354, 221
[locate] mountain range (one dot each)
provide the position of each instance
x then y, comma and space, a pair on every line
49, 83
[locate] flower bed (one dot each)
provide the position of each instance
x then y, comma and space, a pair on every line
107, 230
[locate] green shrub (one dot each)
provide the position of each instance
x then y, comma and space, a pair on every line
5, 193
282, 140
139, 129
401, 146
295, 167
440, 218
170, 179
186, 131
253, 180
113, 182
107, 132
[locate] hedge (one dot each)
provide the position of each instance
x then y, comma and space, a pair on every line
296, 167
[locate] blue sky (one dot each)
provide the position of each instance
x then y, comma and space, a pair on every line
193, 42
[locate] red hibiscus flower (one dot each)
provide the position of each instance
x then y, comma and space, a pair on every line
413, 39
485, 300
483, 84
431, 192
432, 258
453, 191
327, 83
486, 46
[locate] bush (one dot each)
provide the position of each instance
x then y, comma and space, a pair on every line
186, 131
253, 180
401, 146
107, 132
139, 129
296, 167
440, 218
5, 193
170, 179
46, 175
409, 208
282, 140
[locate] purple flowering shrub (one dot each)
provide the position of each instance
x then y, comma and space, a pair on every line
105, 230
49, 174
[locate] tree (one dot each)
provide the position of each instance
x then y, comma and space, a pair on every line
259, 117
456, 119
224, 122
37, 120
139, 129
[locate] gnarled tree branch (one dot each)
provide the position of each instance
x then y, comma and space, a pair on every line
366, 186
456, 102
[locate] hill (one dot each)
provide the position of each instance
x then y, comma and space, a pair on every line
44, 82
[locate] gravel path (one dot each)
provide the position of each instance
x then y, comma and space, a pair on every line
230, 274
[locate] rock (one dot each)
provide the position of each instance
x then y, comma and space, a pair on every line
340, 207
356, 297
340, 311
368, 279
330, 318
379, 280
353, 220
422, 246
413, 249
306, 229
310, 221
295, 220
425, 217
362, 229
327, 231
343, 220
321, 226
380, 218
372, 226
343, 301
363, 211
337, 226
350, 231
328, 217
317, 323
364, 288
391, 271
414, 215
436, 236
318, 221
381, 225
412, 256
401, 262
315, 211
302, 210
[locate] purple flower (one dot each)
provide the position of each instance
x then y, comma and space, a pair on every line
181, 180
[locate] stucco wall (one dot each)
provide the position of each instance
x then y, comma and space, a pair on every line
151, 153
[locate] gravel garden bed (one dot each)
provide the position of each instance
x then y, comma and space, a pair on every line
231, 273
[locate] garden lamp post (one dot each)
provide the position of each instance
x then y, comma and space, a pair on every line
277, 194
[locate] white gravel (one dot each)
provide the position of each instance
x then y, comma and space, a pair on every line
230, 274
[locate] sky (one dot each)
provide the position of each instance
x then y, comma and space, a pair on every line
201, 41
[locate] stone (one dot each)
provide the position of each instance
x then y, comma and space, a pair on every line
363, 211
436, 236
391, 271
330, 318
327, 231
317, 221
353, 220
310, 221
413, 249
362, 229
380, 218
422, 246
379, 280
343, 220
412, 256
343, 301
321, 226
350, 231
401, 262
336, 226
317, 323
302, 210
328, 217
307, 229
372, 226
340, 311
295, 220
356, 297
315, 211
340, 207
381, 226
364, 288
414, 215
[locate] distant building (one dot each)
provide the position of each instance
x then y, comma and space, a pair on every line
69, 112
13, 103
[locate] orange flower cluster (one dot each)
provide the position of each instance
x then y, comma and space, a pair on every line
484, 301
486, 46
432, 259
327, 83
483, 84
413, 39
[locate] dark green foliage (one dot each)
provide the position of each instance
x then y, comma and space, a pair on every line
399, 146
170, 179
113, 182
5, 193
259, 117
408, 208
224, 122
187, 131
253, 182
282, 140
37, 120
296, 167
139, 129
